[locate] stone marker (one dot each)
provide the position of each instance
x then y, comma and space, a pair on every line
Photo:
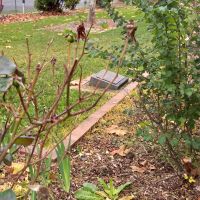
103, 78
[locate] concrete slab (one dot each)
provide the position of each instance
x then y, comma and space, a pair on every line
104, 78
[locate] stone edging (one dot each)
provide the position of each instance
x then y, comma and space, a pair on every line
87, 124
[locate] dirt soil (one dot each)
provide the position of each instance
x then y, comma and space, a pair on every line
111, 150
97, 27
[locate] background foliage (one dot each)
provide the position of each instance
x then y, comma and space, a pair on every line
168, 74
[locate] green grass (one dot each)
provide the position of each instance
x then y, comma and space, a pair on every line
12, 42
14, 35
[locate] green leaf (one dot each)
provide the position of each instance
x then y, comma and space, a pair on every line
90, 187
8, 159
7, 195
6, 66
24, 140
162, 8
103, 183
83, 194
196, 143
111, 186
5, 83
162, 139
188, 92
102, 194
64, 166
122, 187
174, 142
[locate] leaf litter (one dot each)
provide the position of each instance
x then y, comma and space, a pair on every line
104, 154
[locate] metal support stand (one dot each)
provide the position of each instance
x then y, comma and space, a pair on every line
23, 6
15, 5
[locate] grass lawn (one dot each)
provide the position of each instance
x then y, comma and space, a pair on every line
12, 42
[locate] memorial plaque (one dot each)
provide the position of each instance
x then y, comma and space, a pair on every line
103, 78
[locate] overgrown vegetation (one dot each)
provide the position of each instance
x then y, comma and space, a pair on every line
27, 122
71, 4
165, 63
48, 5
55, 5
168, 76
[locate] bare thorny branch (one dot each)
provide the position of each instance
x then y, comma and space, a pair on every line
40, 125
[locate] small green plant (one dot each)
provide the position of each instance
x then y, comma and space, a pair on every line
45, 175
104, 25
70, 36
110, 191
32, 171
64, 166
91, 192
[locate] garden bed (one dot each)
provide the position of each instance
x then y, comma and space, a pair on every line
28, 17
97, 156
111, 150
100, 26
13, 18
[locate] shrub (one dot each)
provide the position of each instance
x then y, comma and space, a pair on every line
48, 5
104, 25
99, 3
168, 76
71, 4
31, 122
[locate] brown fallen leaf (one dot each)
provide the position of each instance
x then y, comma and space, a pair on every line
189, 168
122, 151
17, 167
152, 167
9, 169
114, 129
53, 176
147, 165
143, 163
138, 169
187, 162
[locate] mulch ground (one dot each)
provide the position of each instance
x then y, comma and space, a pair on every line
106, 152
13, 18
96, 28
111, 150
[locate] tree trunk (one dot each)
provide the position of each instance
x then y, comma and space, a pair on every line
92, 13
1, 6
